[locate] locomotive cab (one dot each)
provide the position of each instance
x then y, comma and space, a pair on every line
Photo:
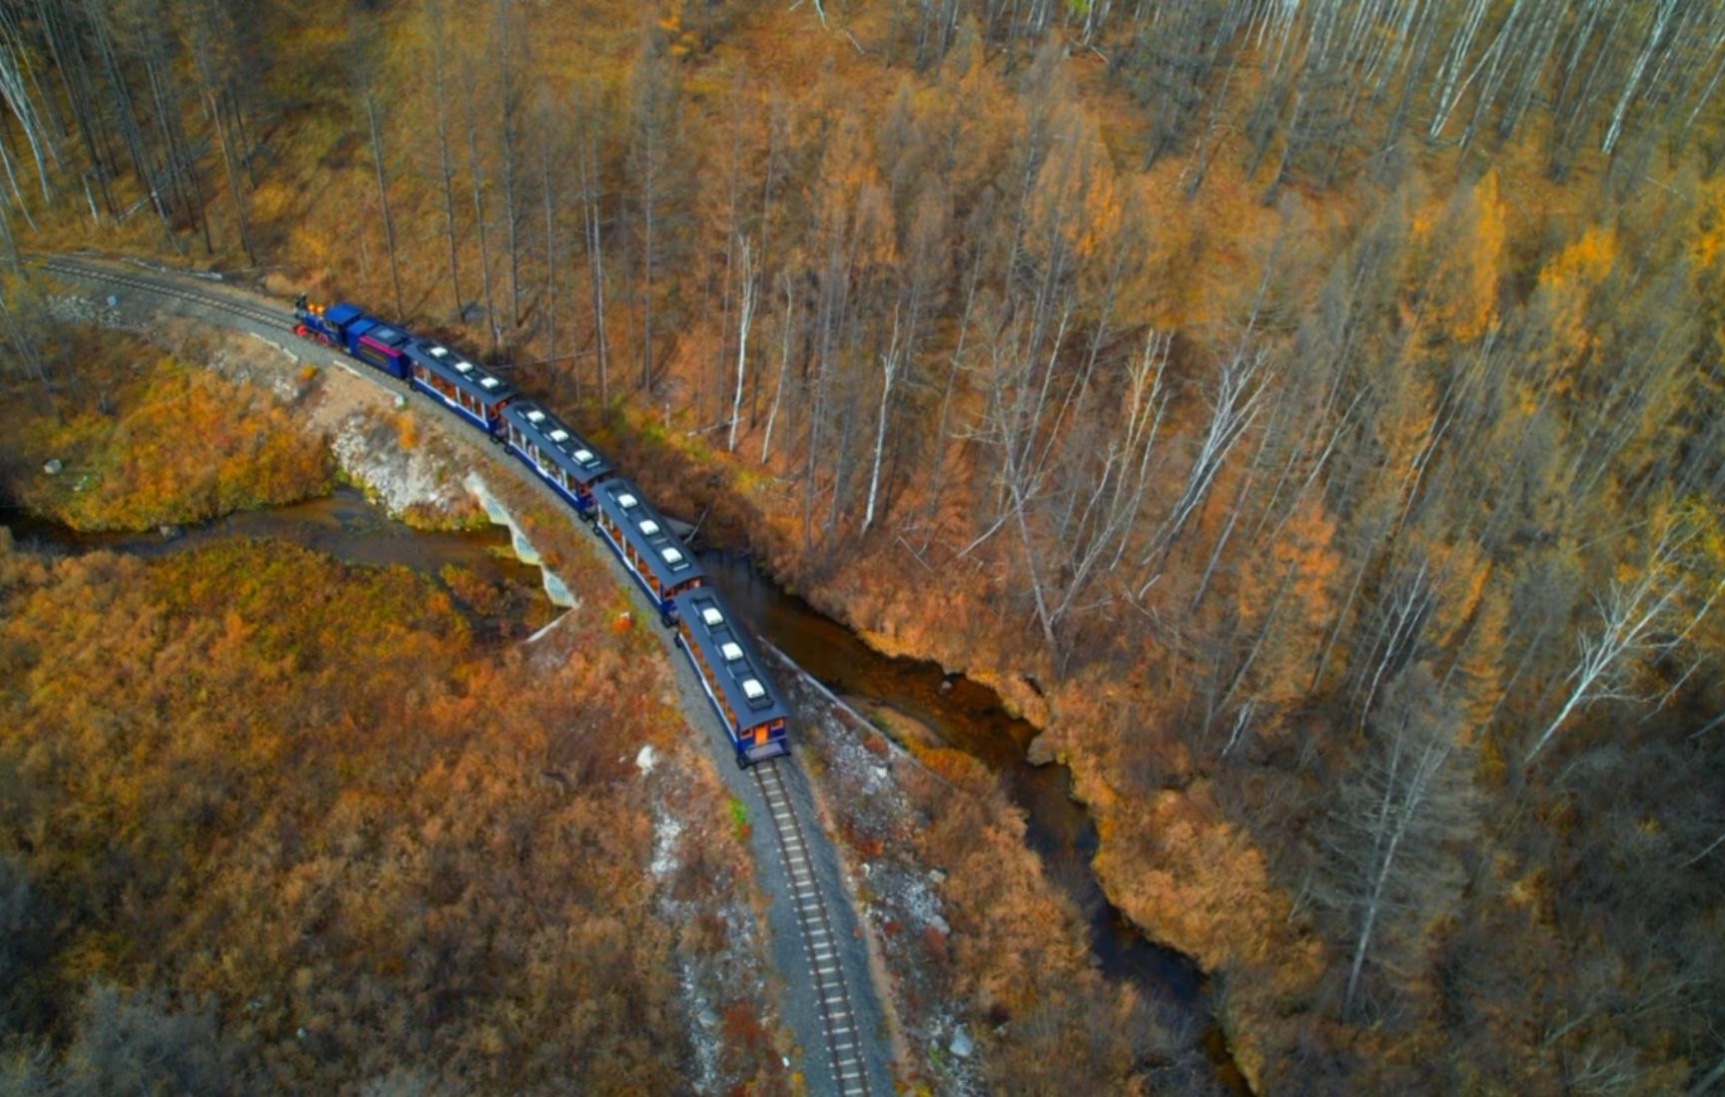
324, 325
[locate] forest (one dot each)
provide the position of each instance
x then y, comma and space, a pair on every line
264, 826
1308, 414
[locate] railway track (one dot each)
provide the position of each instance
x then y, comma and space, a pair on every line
838, 1019
838, 1022
162, 287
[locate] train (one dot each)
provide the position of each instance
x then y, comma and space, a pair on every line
706, 629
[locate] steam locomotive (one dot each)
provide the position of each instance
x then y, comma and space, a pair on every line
719, 649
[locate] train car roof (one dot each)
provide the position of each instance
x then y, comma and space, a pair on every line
735, 661
465, 375
568, 450
343, 314
360, 324
648, 532
381, 332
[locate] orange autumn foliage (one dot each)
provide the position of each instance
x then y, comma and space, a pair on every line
254, 773
176, 444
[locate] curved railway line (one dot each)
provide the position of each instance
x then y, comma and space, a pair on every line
161, 287
838, 1019
845, 1052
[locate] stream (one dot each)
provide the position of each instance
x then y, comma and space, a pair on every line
967, 716
344, 525
960, 713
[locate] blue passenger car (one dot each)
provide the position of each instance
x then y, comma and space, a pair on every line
470, 391
561, 457
729, 666
642, 538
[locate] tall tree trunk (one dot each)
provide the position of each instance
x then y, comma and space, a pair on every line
383, 200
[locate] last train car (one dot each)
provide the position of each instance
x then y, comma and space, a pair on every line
561, 457
470, 391
729, 666
642, 538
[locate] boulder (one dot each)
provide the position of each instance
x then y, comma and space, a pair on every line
1040, 752
962, 1045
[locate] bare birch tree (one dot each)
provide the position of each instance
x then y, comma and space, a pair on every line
1389, 844
745, 317
383, 197
1639, 618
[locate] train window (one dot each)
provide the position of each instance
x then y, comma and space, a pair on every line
713, 617
753, 690
731, 651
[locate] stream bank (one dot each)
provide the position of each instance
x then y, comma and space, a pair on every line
918, 700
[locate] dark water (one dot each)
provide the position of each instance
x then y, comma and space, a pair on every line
344, 525
969, 717
963, 714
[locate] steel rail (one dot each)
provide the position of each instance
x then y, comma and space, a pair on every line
838, 1018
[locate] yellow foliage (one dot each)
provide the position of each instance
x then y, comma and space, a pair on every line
136, 471
1567, 285
1467, 250
407, 430
255, 773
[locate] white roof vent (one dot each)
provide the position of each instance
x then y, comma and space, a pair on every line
753, 689
583, 455
489, 382
439, 352
731, 651
671, 555
464, 367
559, 435
712, 616
535, 417
627, 500
649, 527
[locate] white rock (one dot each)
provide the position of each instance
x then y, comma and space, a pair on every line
645, 760
52, 466
1041, 751
962, 1045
